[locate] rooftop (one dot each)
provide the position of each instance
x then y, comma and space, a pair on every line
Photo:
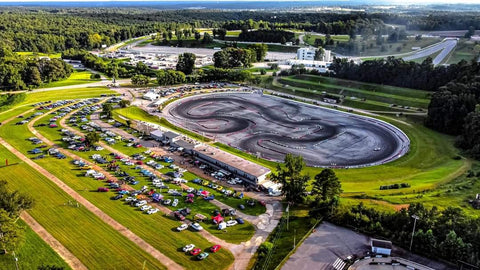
381, 243
233, 160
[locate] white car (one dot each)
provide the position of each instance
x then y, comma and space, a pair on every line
129, 199
196, 226
231, 223
145, 207
182, 227
152, 211
141, 203
175, 202
188, 248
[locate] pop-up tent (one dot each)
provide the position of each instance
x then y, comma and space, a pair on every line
217, 219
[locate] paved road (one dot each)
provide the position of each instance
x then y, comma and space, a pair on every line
444, 48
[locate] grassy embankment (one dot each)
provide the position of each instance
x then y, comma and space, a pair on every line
76, 78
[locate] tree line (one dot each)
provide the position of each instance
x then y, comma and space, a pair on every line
278, 36
12, 204
20, 73
397, 72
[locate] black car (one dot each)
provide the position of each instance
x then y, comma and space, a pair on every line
118, 197
240, 220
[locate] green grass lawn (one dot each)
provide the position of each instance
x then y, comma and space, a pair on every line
136, 113
156, 229
378, 93
38, 54
310, 39
349, 101
34, 252
68, 224
463, 51
75, 93
77, 77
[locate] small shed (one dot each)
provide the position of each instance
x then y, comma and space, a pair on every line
381, 247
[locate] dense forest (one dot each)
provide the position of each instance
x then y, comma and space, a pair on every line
55, 30
447, 234
20, 73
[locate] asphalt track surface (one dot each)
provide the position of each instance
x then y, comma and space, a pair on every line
271, 127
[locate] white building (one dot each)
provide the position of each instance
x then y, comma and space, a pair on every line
306, 54
320, 66
309, 54
381, 247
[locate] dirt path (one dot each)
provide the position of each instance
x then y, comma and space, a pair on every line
169, 263
66, 255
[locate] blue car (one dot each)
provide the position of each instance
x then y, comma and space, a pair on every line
35, 151
197, 181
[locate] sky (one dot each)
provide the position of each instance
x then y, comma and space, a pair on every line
392, 1
345, 1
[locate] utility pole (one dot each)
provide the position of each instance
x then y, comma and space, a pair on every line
288, 214
294, 235
415, 217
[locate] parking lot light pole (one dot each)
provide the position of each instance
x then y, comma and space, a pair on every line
415, 217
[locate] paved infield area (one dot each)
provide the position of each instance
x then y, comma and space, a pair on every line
271, 127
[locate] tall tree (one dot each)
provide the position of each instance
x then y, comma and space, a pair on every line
186, 63
290, 176
326, 185
107, 110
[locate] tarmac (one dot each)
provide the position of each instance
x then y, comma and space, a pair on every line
270, 127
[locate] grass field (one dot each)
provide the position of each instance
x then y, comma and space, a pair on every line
77, 77
157, 229
33, 253
463, 51
379, 93
38, 54
69, 224
74, 93
136, 113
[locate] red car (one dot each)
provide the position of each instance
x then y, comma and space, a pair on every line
263, 203
139, 162
102, 189
215, 248
195, 251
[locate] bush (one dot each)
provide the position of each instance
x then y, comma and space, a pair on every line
95, 76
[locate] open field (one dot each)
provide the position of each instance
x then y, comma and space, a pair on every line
463, 51
77, 77
38, 54
157, 230
75, 227
33, 253
368, 91
76, 93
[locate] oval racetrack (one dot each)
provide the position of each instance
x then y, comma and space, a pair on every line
271, 127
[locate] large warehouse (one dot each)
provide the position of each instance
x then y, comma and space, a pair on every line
249, 171
244, 169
